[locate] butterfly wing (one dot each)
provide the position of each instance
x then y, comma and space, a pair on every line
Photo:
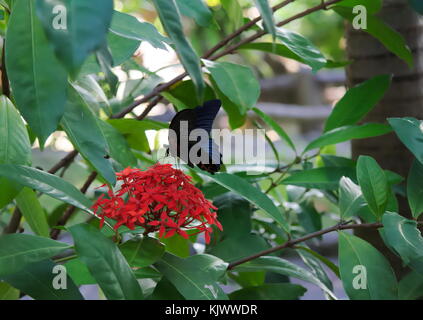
179, 129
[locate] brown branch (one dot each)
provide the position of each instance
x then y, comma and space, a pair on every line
71, 209
4, 78
291, 243
66, 161
14, 222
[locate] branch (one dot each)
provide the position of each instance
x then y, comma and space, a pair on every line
293, 242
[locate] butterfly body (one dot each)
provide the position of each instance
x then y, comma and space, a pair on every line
186, 145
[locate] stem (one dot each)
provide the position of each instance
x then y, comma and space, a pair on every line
14, 222
291, 243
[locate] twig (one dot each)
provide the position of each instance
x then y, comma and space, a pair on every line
14, 222
293, 242
71, 209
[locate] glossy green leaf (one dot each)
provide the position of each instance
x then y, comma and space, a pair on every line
403, 236
250, 193
195, 277
130, 27
357, 102
309, 218
302, 47
37, 280
78, 35
410, 132
196, 9
415, 189
165, 290
276, 127
236, 82
171, 21
271, 291
266, 13
347, 133
19, 250
333, 267
374, 184
350, 198
118, 146
46, 183
411, 287
7, 292
106, 263
391, 39
365, 272
37, 78
177, 245
15, 147
81, 127
33, 212
284, 267
326, 178
142, 252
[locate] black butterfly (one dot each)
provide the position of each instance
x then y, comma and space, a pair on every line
206, 154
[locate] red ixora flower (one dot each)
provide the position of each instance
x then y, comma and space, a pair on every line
159, 199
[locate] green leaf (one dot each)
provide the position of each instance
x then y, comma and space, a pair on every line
37, 79
195, 277
373, 278
33, 212
284, 267
142, 252
130, 27
83, 32
276, 127
350, 198
357, 102
171, 21
236, 114
283, 51
272, 291
316, 267
411, 287
374, 184
309, 218
373, 6
46, 183
333, 267
37, 280
250, 193
415, 189
7, 292
302, 47
134, 131
326, 178
79, 272
197, 10
234, 11
118, 146
236, 82
81, 127
347, 133
19, 250
266, 13
405, 239
15, 147
182, 95
391, 39
410, 132
416, 5
165, 290
177, 245
106, 263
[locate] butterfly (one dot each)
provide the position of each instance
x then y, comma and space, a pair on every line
190, 140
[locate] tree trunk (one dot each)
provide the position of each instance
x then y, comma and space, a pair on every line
405, 97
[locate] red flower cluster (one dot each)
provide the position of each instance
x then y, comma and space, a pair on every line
159, 199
